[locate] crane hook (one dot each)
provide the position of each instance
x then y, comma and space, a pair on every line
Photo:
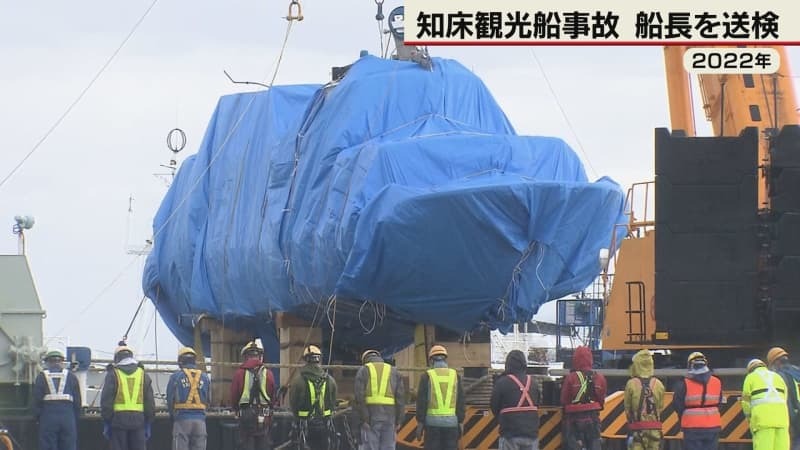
292, 15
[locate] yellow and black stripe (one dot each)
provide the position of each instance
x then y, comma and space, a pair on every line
734, 425
481, 431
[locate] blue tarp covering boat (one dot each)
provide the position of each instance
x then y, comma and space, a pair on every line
404, 193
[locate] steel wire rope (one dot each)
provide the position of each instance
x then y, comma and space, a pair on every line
564, 113
220, 150
332, 323
135, 314
81, 95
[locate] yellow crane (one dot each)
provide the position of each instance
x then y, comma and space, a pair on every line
732, 103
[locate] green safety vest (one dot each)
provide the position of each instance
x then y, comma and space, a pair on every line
316, 400
378, 392
248, 386
442, 392
130, 391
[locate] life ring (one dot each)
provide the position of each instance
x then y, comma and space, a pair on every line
5, 442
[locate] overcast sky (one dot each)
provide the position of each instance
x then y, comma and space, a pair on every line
169, 74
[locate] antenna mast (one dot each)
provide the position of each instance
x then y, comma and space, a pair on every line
176, 141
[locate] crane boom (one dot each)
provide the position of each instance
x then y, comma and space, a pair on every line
733, 103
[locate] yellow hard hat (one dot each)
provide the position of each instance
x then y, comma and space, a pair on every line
252, 346
311, 350
437, 350
186, 351
695, 356
754, 363
774, 354
367, 353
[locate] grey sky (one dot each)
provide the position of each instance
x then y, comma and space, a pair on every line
170, 74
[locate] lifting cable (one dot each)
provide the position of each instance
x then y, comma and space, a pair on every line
564, 114
81, 95
295, 13
133, 319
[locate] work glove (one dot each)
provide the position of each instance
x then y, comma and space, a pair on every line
420, 431
107, 430
148, 431
461, 429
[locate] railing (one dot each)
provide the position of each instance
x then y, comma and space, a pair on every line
633, 335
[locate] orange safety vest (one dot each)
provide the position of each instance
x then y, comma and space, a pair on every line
702, 410
524, 397
583, 400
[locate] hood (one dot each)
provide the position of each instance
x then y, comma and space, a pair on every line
312, 370
582, 359
698, 368
374, 359
642, 365
516, 362
127, 368
700, 377
250, 364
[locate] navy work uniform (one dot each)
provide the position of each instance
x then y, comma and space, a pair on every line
57, 404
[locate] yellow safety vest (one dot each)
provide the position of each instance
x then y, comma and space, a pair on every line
442, 392
764, 400
314, 399
130, 391
378, 392
248, 386
193, 400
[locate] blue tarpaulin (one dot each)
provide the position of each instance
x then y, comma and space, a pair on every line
404, 193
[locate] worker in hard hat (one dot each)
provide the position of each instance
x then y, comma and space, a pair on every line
778, 361
57, 404
440, 403
379, 401
513, 402
252, 393
127, 404
764, 406
696, 400
187, 399
312, 399
644, 401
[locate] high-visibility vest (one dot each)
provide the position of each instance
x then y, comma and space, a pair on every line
248, 386
130, 391
764, 400
192, 377
702, 410
584, 399
442, 392
53, 393
525, 403
378, 385
316, 402
769, 393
